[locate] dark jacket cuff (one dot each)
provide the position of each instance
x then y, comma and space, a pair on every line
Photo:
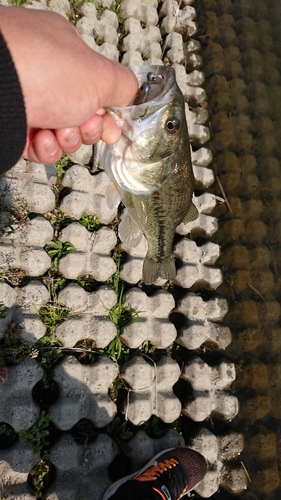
13, 127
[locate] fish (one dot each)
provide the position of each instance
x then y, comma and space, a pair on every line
150, 169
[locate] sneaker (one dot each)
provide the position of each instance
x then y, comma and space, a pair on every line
172, 473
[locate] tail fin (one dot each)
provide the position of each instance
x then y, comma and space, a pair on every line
152, 270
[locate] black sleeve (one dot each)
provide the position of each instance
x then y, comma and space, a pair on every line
13, 126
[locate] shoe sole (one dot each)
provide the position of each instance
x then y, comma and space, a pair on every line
114, 487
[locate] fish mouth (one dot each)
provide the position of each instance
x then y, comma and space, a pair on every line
134, 118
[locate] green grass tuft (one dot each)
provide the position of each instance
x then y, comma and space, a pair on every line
56, 250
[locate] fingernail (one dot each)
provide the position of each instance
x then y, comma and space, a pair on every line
94, 135
73, 138
51, 146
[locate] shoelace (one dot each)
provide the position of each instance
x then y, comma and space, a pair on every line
172, 475
156, 470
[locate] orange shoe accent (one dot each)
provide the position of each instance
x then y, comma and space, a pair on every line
156, 470
160, 493
164, 497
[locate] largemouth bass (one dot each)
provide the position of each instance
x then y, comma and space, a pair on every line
150, 169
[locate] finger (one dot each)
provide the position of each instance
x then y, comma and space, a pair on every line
111, 131
69, 139
100, 126
42, 148
91, 130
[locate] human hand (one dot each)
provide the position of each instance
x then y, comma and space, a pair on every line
65, 84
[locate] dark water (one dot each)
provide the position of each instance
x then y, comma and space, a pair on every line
241, 49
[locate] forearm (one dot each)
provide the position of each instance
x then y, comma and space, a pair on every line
65, 85
50, 55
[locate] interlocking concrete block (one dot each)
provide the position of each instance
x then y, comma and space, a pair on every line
152, 52
87, 194
41, 5
153, 324
62, 7
141, 448
193, 46
174, 53
106, 4
110, 18
198, 133
131, 270
132, 25
169, 8
201, 115
192, 94
142, 44
81, 470
201, 322
209, 386
83, 155
193, 78
221, 453
146, 41
174, 40
17, 407
196, 269
24, 249
105, 33
101, 35
151, 389
177, 19
205, 225
84, 392
142, 10
89, 319
204, 177
8, 297
132, 58
103, 28
88, 9
90, 41
86, 25
153, 61
108, 50
29, 183
201, 158
23, 304
15, 464
91, 255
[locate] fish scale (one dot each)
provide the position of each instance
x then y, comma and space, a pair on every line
160, 211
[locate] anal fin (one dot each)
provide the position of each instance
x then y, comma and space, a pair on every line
192, 214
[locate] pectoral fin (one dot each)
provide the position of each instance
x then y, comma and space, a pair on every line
192, 214
112, 196
129, 232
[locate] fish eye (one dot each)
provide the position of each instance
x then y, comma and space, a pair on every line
172, 125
